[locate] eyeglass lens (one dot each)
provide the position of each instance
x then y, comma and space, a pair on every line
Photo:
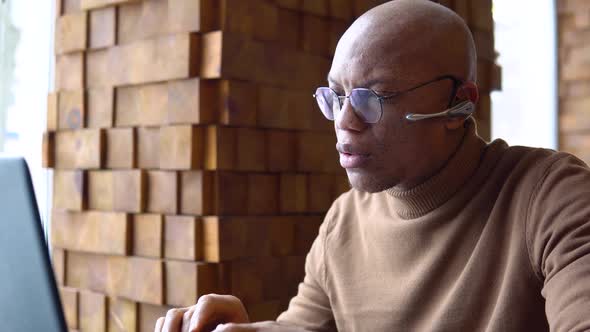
365, 103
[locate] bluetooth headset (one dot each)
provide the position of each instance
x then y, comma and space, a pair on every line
462, 109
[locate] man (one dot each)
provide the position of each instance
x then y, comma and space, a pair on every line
441, 232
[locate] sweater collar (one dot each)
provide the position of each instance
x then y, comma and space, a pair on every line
423, 198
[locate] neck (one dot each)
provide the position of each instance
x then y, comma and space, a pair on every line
428, 194
445, 151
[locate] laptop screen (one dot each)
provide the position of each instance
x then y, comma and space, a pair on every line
29, 300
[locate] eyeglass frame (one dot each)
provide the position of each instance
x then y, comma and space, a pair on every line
456, 84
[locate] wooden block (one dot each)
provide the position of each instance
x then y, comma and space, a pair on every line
79, 149
462, 8
192, 16
230, 238
64, 7
280, 152
231, 193
162, 192
238, 103
341, 185
266, 21
98, 69
238, 16
192, 101
91, 4
263, 194
316, 152
69, 191
481, 15
176, 57
220, 149
142, 20
69, 71
283, 108
71, 109
306, 230
181, 147
144, 281
69, 303
187, 281
149, 314
484, 43
96, 232
100, 105
282, 235
264, 311
316, 38
143, 105
148, 147
315, 7
134, 278
87, 271
320, 194
196, 193
251, 150
227, 55
183, 238
293, 198
273, 110
118, 191
52, 107
290, 24
293, 271
337, 29
48, 150
256, 236
147, 235
289, 4
223, 239
71, 33
122, 315
120, 148
340, 9
129, 189
93, 312
58, 261
246, 283
102, 28
101, 194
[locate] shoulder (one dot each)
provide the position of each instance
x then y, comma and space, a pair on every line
524, 167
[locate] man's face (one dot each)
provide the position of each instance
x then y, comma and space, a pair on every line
392, 151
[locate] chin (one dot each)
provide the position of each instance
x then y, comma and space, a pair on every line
367, 182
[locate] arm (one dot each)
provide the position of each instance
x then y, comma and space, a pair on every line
558, 240
309, 310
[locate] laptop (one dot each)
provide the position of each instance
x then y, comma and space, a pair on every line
29, 299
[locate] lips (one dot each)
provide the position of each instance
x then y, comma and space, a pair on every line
351, 156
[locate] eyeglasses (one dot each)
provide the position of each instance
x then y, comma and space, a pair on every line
368, 105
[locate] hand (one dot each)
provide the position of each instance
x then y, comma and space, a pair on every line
210, 311
269, 326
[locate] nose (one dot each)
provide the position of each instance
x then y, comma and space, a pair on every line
346, 118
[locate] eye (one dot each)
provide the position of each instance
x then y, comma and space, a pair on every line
338, 91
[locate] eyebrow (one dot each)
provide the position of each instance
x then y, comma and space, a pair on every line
369, 83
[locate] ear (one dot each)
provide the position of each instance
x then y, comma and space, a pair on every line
467, 91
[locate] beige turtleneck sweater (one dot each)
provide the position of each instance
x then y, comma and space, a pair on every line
498, 240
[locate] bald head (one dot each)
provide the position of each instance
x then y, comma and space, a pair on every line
413, 40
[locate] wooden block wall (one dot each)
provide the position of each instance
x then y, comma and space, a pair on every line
189, 155
574, 77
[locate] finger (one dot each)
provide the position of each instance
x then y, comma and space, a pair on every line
186, 319
202, 315
232, 327
173, 320
159, 324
